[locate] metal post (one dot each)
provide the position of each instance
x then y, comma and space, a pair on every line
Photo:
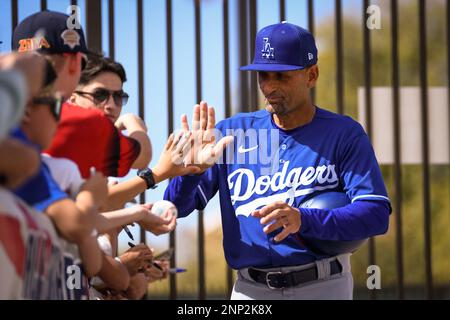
425, 148
448, 66
227, 96
397, 150
244, 105
201, 231
111, 29
368, 104
339, 59
14, 14
170, 126
282, 10
311, 29
94, 25
253, 75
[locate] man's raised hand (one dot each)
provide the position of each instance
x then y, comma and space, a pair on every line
204, 151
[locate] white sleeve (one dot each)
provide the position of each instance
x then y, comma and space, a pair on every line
66, 174
105, 245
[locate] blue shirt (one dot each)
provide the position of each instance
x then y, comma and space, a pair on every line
41, 190
266, 164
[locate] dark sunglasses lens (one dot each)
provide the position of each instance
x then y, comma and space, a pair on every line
101, 96
120, 98
124, 99
58, 108
55, 108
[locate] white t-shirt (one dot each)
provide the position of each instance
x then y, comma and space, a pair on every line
106, 247
31, 257
66, 174
105, 244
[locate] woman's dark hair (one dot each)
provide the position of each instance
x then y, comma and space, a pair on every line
96, 64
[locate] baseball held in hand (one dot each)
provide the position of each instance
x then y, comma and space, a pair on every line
161, 207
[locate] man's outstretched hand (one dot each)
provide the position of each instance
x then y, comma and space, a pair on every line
203, 151
191, 151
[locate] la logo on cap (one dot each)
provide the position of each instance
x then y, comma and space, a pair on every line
71, 38
32, 44
267, 51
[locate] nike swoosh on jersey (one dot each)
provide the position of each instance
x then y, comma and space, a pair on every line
243, 150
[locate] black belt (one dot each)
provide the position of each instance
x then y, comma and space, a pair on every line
280, 280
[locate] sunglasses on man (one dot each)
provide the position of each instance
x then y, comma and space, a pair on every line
101, 95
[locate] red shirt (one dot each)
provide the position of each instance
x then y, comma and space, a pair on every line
90, 139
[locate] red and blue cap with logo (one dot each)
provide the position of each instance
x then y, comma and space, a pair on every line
49, 32
283, 47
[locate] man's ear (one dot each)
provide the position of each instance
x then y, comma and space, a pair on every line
313, 75
74, 61
73, 99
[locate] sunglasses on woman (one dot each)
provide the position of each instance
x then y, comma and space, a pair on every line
102, 95
54, 102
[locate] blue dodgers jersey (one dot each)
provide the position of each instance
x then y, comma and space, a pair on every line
266, 164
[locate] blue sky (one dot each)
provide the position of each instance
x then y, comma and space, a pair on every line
184, 58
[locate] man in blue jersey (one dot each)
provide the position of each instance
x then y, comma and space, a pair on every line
280, 157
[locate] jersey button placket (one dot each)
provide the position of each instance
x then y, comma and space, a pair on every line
282, 149
270, 237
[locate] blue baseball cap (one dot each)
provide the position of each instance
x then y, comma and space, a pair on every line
49, 32
283, 47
